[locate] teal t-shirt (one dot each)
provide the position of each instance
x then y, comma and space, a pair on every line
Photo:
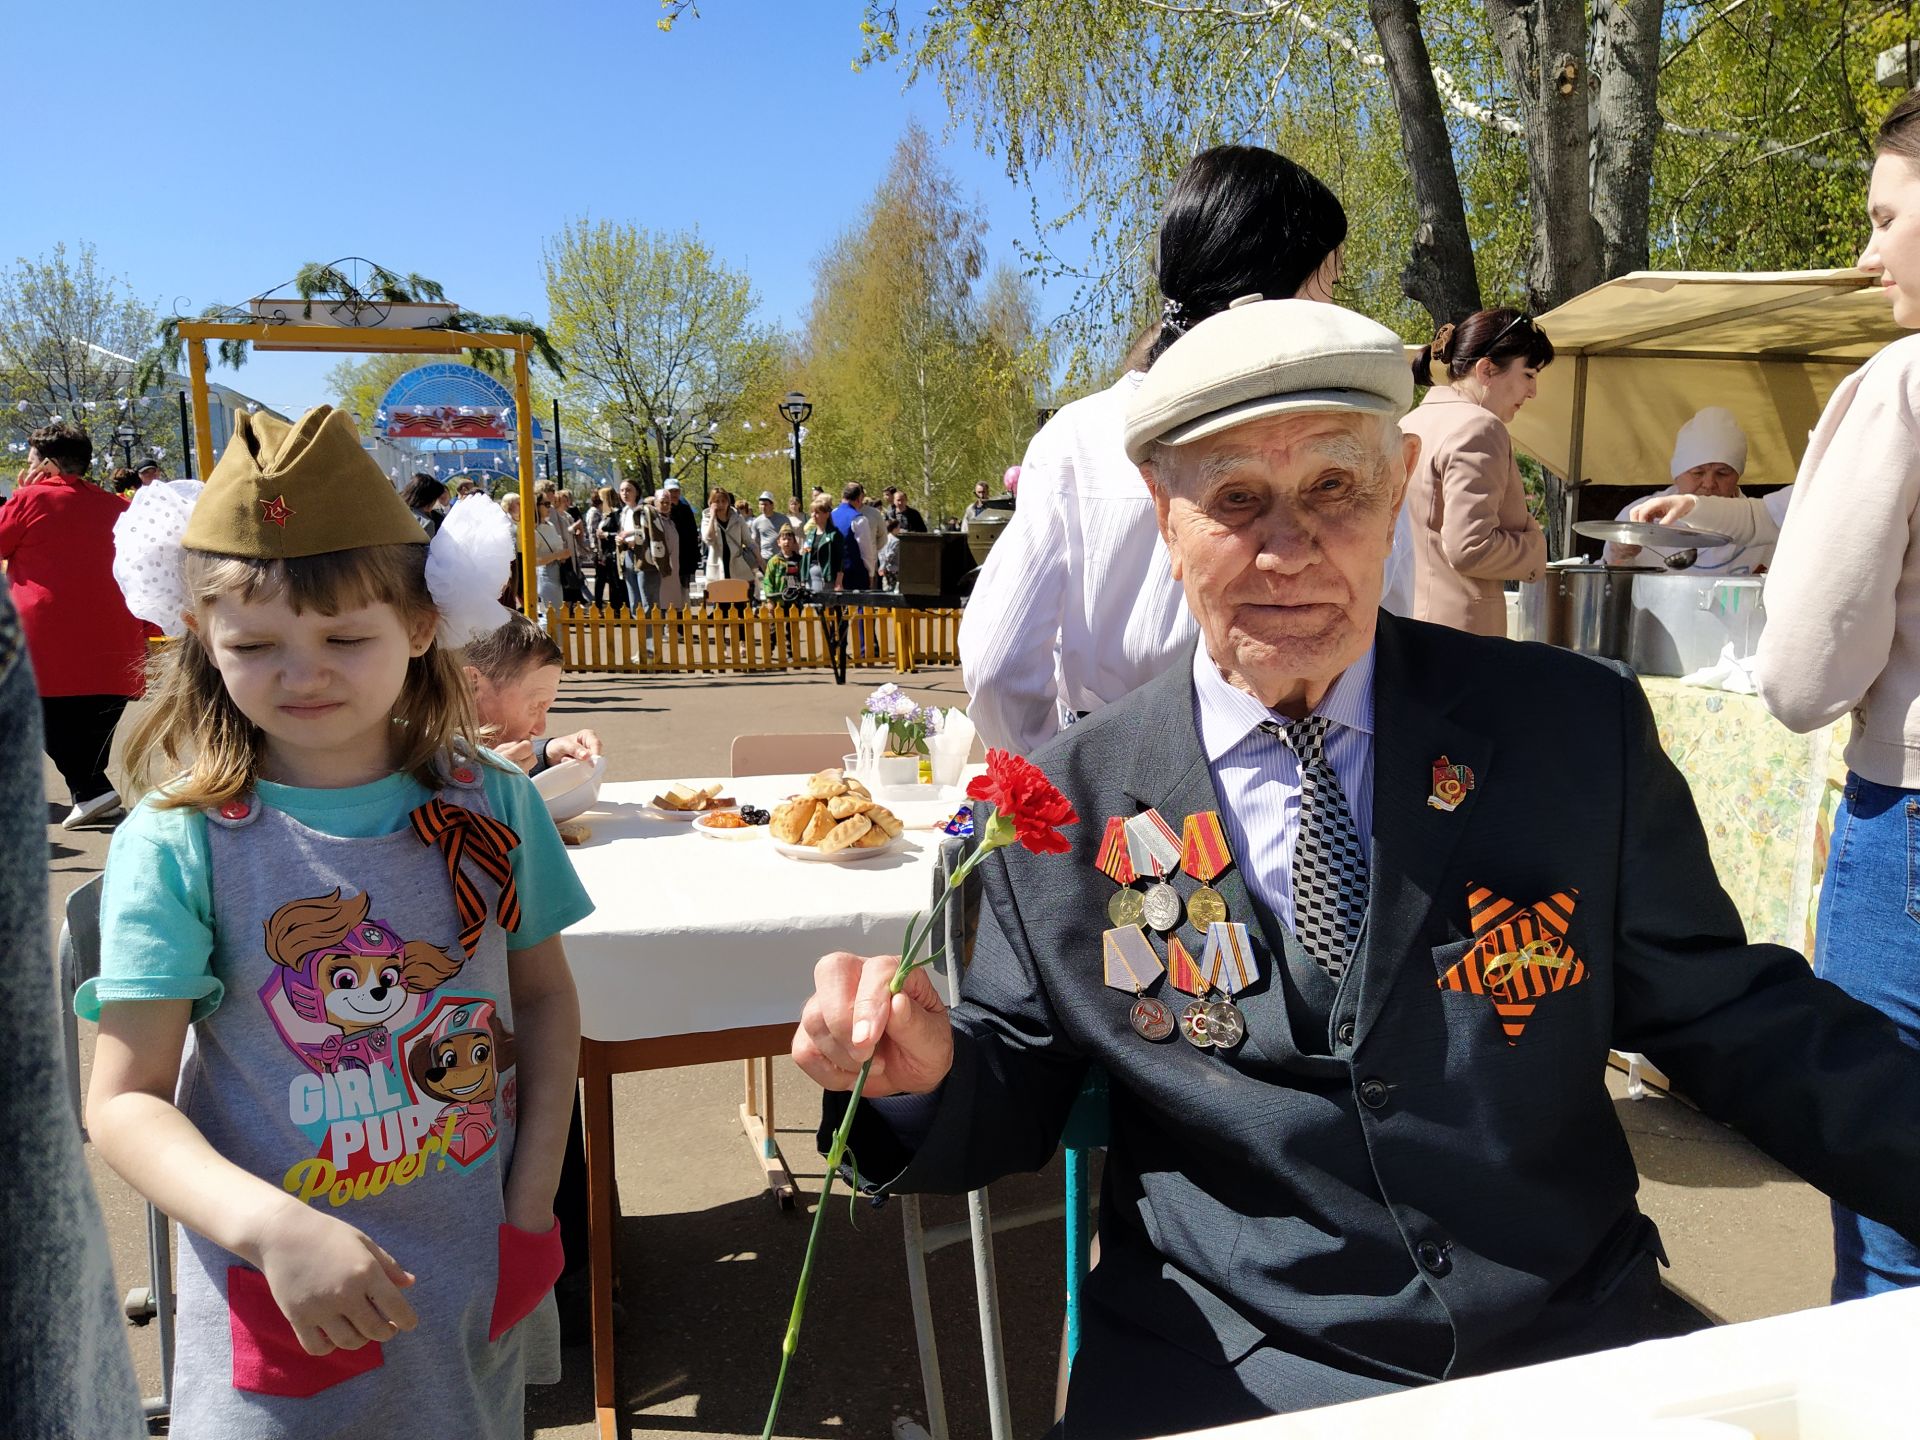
156, 905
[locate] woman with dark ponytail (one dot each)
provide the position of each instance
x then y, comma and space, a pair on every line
1472, 530
1081, 568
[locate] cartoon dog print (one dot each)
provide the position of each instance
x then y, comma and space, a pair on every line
462, 1061
354, 974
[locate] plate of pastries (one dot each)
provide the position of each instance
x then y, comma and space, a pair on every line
835, 819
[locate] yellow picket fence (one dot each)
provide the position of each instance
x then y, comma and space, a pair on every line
747, 639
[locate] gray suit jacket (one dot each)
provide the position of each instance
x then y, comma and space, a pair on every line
1388, 1189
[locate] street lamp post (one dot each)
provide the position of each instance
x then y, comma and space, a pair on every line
704, 443
125, 434
796, 409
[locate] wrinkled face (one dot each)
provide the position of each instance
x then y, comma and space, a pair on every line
663, 502
1278, 531
316, 685
463, 1067
1508, 388
1713, 478
517, 709
1893, 239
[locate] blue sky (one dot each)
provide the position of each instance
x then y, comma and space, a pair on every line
209, 149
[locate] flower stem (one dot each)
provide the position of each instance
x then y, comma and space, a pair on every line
837, 1150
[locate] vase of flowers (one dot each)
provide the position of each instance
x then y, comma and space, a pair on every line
904, 725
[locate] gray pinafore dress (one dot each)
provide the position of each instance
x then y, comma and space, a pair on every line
363, 1060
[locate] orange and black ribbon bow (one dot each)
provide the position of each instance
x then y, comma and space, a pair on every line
1519, 956
462, 834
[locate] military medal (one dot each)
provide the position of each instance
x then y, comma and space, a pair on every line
1204, 855
1128, 963
1228, 965
1183, 973
1450, 784
1154, 850
1127, 907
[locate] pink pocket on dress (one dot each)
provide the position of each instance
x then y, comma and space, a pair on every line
267, 1355
529, 1264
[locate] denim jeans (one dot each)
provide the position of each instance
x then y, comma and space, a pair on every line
1869, 945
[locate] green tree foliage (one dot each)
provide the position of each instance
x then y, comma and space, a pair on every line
923, 368
660, 336
69, 337
1761, 131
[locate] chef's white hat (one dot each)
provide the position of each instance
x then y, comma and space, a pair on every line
1711, 436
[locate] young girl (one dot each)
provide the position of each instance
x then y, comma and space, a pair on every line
515, 676
352, 920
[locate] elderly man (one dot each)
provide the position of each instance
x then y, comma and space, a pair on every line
1375, 1148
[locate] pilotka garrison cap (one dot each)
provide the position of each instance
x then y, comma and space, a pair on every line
1267, 357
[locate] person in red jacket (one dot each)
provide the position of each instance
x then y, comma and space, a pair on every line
88, 651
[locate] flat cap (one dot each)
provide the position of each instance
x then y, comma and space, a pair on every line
1267, 357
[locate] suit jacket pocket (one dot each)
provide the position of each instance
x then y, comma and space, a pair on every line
267, 1355
529, 1265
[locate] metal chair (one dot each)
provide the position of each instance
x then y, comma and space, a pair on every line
151, 1303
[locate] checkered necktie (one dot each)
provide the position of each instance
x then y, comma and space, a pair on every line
1329, 868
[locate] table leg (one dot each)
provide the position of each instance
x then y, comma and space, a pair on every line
600, 1222
758, 1123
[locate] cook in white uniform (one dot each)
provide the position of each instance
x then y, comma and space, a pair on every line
1709, 457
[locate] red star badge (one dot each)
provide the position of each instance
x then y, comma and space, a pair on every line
1520, 955
277, 510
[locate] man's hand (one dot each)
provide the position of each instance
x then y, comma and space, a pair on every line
581, 745
851, 1017
1663, 509
336, 1287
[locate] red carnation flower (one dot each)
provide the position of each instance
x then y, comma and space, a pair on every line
1018, 791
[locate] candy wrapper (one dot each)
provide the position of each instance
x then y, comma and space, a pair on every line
960, 823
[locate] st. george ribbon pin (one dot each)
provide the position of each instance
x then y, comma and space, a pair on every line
1128, 963
1127, 907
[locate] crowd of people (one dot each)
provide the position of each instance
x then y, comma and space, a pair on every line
1248, 617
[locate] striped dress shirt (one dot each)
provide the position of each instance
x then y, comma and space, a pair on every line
1257, 776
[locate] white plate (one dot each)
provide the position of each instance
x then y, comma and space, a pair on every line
732, 832
849, 856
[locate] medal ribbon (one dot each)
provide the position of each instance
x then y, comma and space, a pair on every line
1203, 847
1151, 843
1127, 960
464, 834
1228, 963
1182, 973
1114, 860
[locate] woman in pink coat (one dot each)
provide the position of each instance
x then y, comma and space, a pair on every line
1471, 527
88, 652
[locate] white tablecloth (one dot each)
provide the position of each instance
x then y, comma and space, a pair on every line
1840, 1373
692, 934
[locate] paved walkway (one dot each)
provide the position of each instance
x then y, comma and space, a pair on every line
708, 1262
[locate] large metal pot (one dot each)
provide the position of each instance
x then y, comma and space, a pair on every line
1586, 608
1682, 621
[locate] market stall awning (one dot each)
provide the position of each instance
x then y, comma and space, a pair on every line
1637, 356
